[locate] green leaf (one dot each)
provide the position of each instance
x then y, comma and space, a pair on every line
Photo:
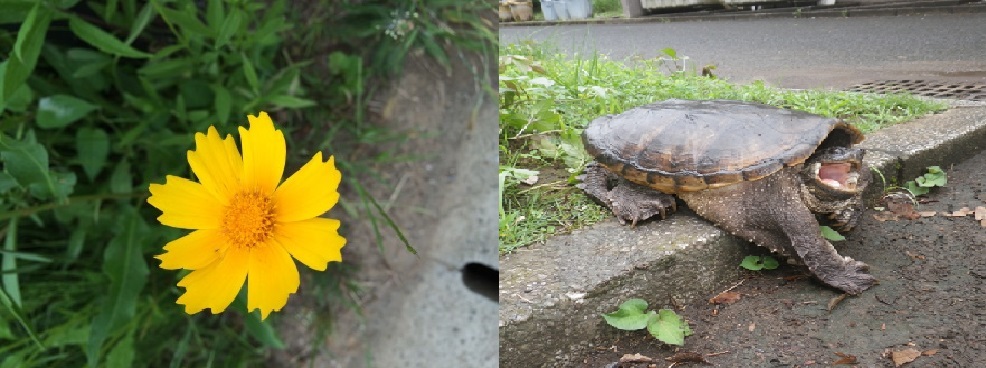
935, 177
101, 40
670, 52
752, 263
87, 62
21, 97
168, 68
186, 20
631, 315
122, 180
18, 314
16, 11
250, 73
263, 331
223, 103
7, 183
144, 18
668, 327
291, 102
60, 110
30, 37
915, 189
62, 184
122, 355
230, 26
26, 161
124, 264
770, 263
93, 147
10, 280
830, 234
215, 13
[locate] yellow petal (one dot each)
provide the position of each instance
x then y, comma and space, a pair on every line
273, 277
193, 251
217, 164
216, 285
314, 242
309, 192
185, 204
263, 154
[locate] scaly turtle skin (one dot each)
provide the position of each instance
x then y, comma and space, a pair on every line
765, 174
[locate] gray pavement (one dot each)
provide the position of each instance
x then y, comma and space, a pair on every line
793, 53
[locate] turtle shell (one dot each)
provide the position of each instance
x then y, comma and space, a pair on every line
682, 146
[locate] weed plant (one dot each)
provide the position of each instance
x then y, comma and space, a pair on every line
98, 99
546, 99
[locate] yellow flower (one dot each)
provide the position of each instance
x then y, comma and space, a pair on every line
246, 226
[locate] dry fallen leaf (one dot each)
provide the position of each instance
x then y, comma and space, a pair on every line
901, 206
914, 255
728, 297
687, 357
844, 358
927, 213
835, 301
980, 213
904, 356
635, 358
929, 352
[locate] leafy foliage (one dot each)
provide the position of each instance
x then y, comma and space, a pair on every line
830, 234
98, 99
757, 263
664, 325
935, 177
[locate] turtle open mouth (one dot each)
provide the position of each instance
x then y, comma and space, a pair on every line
841, 176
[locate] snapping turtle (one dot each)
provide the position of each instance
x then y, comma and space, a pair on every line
762, 173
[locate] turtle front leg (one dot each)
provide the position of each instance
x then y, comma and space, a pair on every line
628, 201
770, 213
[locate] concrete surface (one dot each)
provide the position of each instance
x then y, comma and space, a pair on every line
438, 181
551, 294
842, 9
793, 53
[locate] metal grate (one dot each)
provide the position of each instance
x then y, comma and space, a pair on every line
958, 91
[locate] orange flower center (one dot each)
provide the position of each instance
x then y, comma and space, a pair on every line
249, 219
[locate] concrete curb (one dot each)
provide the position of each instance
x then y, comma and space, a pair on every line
950, 7
551, 295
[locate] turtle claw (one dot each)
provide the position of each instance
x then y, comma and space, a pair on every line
853, 278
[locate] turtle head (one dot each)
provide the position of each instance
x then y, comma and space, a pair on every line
836, 170
833, 181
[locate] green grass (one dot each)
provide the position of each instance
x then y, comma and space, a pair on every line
100, 99
546, 99
607, 8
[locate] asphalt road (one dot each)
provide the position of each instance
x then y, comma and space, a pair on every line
794, 52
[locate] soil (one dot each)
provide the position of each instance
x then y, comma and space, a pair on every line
931, 298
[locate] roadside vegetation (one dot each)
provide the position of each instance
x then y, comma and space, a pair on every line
98, 99
547, 98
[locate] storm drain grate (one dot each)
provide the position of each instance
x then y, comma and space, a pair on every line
958, 91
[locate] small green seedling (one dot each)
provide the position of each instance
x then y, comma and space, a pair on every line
830, 234
935, 177
757, 263
665, 324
